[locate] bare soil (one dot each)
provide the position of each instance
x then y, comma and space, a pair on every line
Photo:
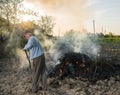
13, 81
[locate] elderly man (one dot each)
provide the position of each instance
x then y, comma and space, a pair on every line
38, 62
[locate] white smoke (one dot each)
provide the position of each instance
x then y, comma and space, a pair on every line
68, 14
74, 41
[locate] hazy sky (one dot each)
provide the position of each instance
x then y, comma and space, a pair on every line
79, 14
106, 16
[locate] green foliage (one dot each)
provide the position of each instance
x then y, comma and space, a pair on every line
110, 40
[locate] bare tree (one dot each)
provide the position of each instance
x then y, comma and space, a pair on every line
46, 24
8, 11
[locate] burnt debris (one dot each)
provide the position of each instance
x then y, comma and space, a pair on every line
78, 65
72, 65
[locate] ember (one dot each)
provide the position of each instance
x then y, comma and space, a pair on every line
72, 65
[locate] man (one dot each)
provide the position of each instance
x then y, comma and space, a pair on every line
38, 62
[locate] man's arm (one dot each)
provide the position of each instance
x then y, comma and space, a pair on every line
29, 44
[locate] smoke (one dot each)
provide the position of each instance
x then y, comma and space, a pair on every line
72, 41
69, 14
75, 41
14, 49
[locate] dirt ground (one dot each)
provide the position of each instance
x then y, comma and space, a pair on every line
13, 81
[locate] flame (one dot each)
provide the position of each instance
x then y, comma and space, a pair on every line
67, 63
82, 65
77, 62
60, 72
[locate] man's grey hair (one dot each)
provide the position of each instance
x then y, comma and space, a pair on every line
28, 32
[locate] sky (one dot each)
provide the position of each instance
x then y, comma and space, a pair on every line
106, 16
79, 14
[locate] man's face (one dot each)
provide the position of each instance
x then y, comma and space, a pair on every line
27, 36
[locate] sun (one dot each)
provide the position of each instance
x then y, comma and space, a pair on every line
30, 6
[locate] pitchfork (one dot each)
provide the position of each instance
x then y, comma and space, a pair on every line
28, 61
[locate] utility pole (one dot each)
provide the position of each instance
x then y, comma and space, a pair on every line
102, 30
94, 27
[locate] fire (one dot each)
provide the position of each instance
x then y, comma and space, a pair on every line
60, 72
82, 65
77, 62
72, 65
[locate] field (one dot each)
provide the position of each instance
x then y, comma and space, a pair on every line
13, 79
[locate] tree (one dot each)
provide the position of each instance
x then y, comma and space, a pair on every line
46, 24
111, 34
8, 11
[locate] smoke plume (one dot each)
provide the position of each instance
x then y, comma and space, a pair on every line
68, 14
74, 41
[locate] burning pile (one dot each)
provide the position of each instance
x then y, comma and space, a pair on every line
72, 65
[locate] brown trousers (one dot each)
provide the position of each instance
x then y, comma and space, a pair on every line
39, 74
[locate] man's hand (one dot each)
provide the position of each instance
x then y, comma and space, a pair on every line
24, 49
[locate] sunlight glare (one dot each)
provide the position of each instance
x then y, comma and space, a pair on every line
26, 18
27, 6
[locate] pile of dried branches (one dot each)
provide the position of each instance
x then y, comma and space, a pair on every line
80, 65
73, 65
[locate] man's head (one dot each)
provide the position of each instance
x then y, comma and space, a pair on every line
28, 34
